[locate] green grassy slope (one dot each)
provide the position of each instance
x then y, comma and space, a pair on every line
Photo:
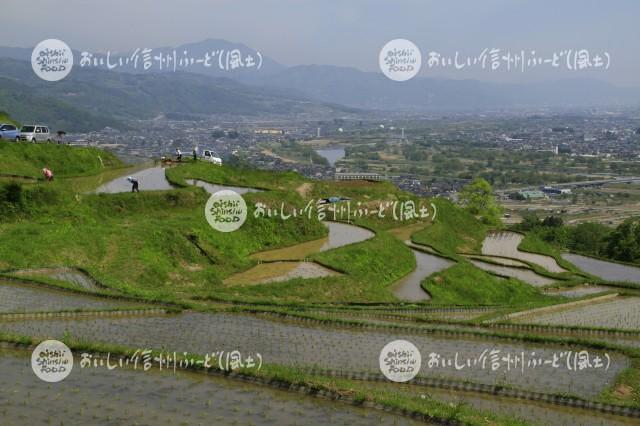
26, 159
5, 118
465, 284
158, 244
454, 230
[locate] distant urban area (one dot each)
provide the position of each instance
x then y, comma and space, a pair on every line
583, 166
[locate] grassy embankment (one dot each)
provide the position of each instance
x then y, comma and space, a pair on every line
27, 160
366, 267
454, 232
6, 119
158, 244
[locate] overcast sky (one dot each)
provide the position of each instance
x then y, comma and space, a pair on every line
345, 32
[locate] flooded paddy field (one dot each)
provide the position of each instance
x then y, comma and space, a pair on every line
537, 413
453, 315
70, 275
504, 261
526, 275
151, 179
18, 298
409, 288
610, 271
279, 264
126, 396
212, 188
628, 341
279, 271
620, 312
154, 179
579, 291
339, 349
505, 244
340, 235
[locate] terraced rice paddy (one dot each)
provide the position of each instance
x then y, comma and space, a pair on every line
579, 291
504, 261
620, 312
18, 298
151, 179
414, 319
525, 275
534, 412
328, 348
340, 235
279, 265
124, 396
409, 288
606, 270
505, 244
271, 272
422, 247
69, 275
212, 188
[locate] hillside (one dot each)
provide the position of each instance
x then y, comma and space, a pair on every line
6, 118
177, 255
29, 105
27, 160
90, 99
371, 90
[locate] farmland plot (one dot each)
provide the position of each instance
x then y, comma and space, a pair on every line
328, 348
620, 312
17, 298
505, 244
98, 396
525, 275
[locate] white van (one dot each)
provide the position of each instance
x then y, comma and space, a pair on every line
35, 133
209, 155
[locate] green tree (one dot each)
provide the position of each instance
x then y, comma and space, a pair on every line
530, 221
552, 221
477, 197
624, 242
589, 238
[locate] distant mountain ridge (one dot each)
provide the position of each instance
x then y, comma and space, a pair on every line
369, 90
89, 99
132, 60
275, 88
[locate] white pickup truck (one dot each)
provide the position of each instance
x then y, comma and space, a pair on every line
209, 155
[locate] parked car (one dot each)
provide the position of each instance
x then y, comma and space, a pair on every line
35, 133
209, 155
9, 131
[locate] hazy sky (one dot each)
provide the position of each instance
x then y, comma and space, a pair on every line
345, 32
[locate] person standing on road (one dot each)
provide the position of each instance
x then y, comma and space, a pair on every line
134, 184
179, 154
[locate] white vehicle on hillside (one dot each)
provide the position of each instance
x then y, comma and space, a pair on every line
35, 133
209, 155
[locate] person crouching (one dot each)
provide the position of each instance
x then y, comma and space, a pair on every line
134, 184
